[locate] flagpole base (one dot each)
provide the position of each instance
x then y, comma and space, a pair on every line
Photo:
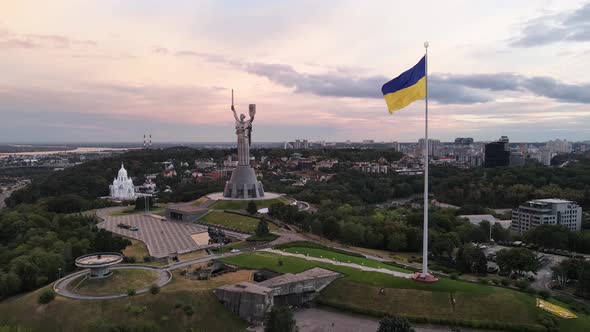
421, 277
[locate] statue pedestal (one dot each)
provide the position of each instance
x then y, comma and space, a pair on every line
243, 184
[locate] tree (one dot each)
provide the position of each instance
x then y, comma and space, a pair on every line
46, 296
262, 228
252, 208
331, 228
280, 319
549, 236
517, 260
565, 270
499, 233
154, 289
471, 259
9, 284
394, 324
141, 201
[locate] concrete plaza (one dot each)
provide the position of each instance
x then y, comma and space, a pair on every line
161, 237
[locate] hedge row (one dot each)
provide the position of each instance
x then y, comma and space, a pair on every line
468, 323
313, 245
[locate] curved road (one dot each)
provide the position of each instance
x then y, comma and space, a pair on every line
61, 286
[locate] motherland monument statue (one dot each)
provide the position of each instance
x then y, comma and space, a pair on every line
243, 182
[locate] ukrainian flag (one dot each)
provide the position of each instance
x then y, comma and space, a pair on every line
406, 88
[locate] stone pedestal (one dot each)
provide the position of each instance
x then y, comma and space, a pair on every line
243, 184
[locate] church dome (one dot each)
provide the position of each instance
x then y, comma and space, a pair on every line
122, 173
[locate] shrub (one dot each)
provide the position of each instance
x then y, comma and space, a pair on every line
454, 276
280, 262
496, 281
396, 323
46, 296
178, 305
522, 284
154, 289
505, 282
544, 294
147, 258
129, 259
188, 310
530, 290
135, 309
131, 291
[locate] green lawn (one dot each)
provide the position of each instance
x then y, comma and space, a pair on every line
242, 204
322, 253
229, 247
64, 314
359, 290
119, 283
267, 260
247, 224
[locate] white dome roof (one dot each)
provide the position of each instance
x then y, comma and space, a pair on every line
122, 172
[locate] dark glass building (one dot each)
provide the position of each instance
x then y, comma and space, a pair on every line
496, 155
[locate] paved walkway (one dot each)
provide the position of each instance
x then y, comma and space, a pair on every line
162, 237
324, 320
329, 261
61, 286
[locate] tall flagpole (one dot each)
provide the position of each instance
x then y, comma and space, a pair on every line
425, 237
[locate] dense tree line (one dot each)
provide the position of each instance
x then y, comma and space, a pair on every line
576, 270
36, 244
389, 229
511, 186
83, 184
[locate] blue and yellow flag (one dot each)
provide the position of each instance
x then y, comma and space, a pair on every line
406, 88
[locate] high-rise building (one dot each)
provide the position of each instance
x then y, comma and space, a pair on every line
433, 146
463, 141
497, 154
516, 158
559, 146
547, 212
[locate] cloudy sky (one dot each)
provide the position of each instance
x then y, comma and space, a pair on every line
113, 70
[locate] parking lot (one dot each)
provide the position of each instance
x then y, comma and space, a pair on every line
544, 275
162, 237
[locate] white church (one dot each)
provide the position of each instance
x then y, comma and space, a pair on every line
122, 187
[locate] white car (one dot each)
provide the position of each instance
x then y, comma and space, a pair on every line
233, 251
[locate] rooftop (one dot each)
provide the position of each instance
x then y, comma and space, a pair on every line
247, 287
316, 272
551, 201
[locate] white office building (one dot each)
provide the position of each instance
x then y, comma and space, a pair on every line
551, 211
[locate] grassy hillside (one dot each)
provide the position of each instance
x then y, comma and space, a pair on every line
246, 224
474, 304
242, 204
163, 312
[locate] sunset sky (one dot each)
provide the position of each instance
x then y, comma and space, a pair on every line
113, 70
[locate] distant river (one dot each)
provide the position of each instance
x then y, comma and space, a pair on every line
76, 150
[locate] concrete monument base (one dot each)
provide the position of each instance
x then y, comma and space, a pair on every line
421, 277
220, 197
243, 184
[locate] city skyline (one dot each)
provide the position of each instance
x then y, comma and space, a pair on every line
108, 71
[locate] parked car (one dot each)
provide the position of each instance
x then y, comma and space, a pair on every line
233, 251
133, 228
122, 225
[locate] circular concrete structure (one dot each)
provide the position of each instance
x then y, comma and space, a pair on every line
64, 285
99, 263
220, 197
